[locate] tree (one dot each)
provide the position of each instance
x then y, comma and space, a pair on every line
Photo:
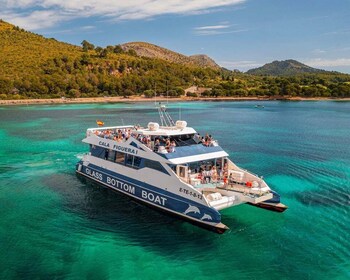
98, 49
128, 92
5, 85
148, 93
87, 46
103, 53
118, 49
85, 59
132, 52
180, 91
74, 93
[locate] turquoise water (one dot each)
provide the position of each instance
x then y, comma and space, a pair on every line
55, 225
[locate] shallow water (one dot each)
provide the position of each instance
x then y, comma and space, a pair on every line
55, 225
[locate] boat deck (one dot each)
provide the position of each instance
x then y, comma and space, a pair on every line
221, 195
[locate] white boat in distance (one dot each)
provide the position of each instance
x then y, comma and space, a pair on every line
172, 168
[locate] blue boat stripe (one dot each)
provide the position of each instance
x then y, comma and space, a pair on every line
148, 186
150, 194
147, 201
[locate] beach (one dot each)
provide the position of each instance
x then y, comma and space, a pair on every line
119, 99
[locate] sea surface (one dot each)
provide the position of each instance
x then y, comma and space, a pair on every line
54, 225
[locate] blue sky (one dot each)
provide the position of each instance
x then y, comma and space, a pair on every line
237, 34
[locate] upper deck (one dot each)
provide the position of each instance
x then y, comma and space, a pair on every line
179, 144
153, 129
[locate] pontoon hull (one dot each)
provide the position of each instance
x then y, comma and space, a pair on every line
276, 207
212, 220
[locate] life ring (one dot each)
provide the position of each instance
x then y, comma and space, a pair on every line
249, 184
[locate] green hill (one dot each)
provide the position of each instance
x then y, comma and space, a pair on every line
32, 66
23, 53
288, 67
37, 67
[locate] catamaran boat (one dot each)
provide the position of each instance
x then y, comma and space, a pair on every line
169, 166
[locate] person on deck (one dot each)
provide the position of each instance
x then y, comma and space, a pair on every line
156, 145
214, 174
167, 145
172, 147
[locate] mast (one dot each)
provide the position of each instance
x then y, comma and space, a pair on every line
165, 118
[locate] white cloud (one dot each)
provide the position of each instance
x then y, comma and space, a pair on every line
319, 62
211, 27
216, 30
35, 20
38, 14
87, 27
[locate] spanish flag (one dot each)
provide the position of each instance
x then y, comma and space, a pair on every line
100, 123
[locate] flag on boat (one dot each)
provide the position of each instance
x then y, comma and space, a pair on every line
100, 123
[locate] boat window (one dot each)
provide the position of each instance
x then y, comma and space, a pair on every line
137, 162
155, 165
129, 159
97, 151
182, 171
111, 155
133, 161
120, 158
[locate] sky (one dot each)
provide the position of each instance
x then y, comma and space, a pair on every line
237, 34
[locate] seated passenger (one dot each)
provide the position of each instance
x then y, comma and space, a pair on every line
167, 145
162, 150
172, 147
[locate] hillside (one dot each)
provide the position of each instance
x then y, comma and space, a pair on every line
203, 60
154, 51
22, 53
32, 66
284, 68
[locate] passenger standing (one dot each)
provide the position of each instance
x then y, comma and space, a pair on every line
214, 174
167, 145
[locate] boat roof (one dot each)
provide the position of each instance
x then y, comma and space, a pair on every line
161, 131
166, 131
193, 153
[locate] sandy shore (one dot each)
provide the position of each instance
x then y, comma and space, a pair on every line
142, 99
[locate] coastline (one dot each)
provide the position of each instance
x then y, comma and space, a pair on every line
160, 99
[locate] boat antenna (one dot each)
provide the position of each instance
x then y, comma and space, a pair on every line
155, 94
167, 95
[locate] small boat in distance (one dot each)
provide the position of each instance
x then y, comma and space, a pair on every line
259, 106
170, 167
